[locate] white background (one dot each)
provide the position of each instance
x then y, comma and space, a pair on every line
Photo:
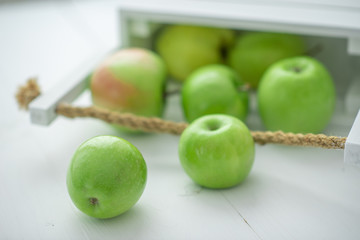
291, 193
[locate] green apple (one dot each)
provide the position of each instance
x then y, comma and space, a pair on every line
131, 80
106, 177
214, 89
186, 48
254, 52
296, 95
217, 151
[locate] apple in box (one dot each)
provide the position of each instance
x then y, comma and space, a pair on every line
254, 52
186, 48
214, 89
131, 80
296, 95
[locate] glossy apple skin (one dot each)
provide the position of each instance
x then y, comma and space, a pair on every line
214, 89
186, 48
110, 170
131, 80
296, 95
254, 52
217, 151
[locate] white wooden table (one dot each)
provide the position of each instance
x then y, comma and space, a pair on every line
291, 193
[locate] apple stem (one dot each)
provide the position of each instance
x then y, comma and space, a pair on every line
213, 126
93, 201
223, 52
296, 69
244, 88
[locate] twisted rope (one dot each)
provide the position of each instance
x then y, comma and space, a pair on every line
27, 93
31, 90
128, 120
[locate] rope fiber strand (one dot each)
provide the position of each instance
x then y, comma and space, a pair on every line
31, 90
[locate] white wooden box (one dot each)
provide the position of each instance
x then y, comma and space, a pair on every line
335, 25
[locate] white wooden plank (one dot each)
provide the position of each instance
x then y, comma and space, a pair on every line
43, 108
255, 15
299, 194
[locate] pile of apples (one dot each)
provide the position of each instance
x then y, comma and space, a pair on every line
216, 68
